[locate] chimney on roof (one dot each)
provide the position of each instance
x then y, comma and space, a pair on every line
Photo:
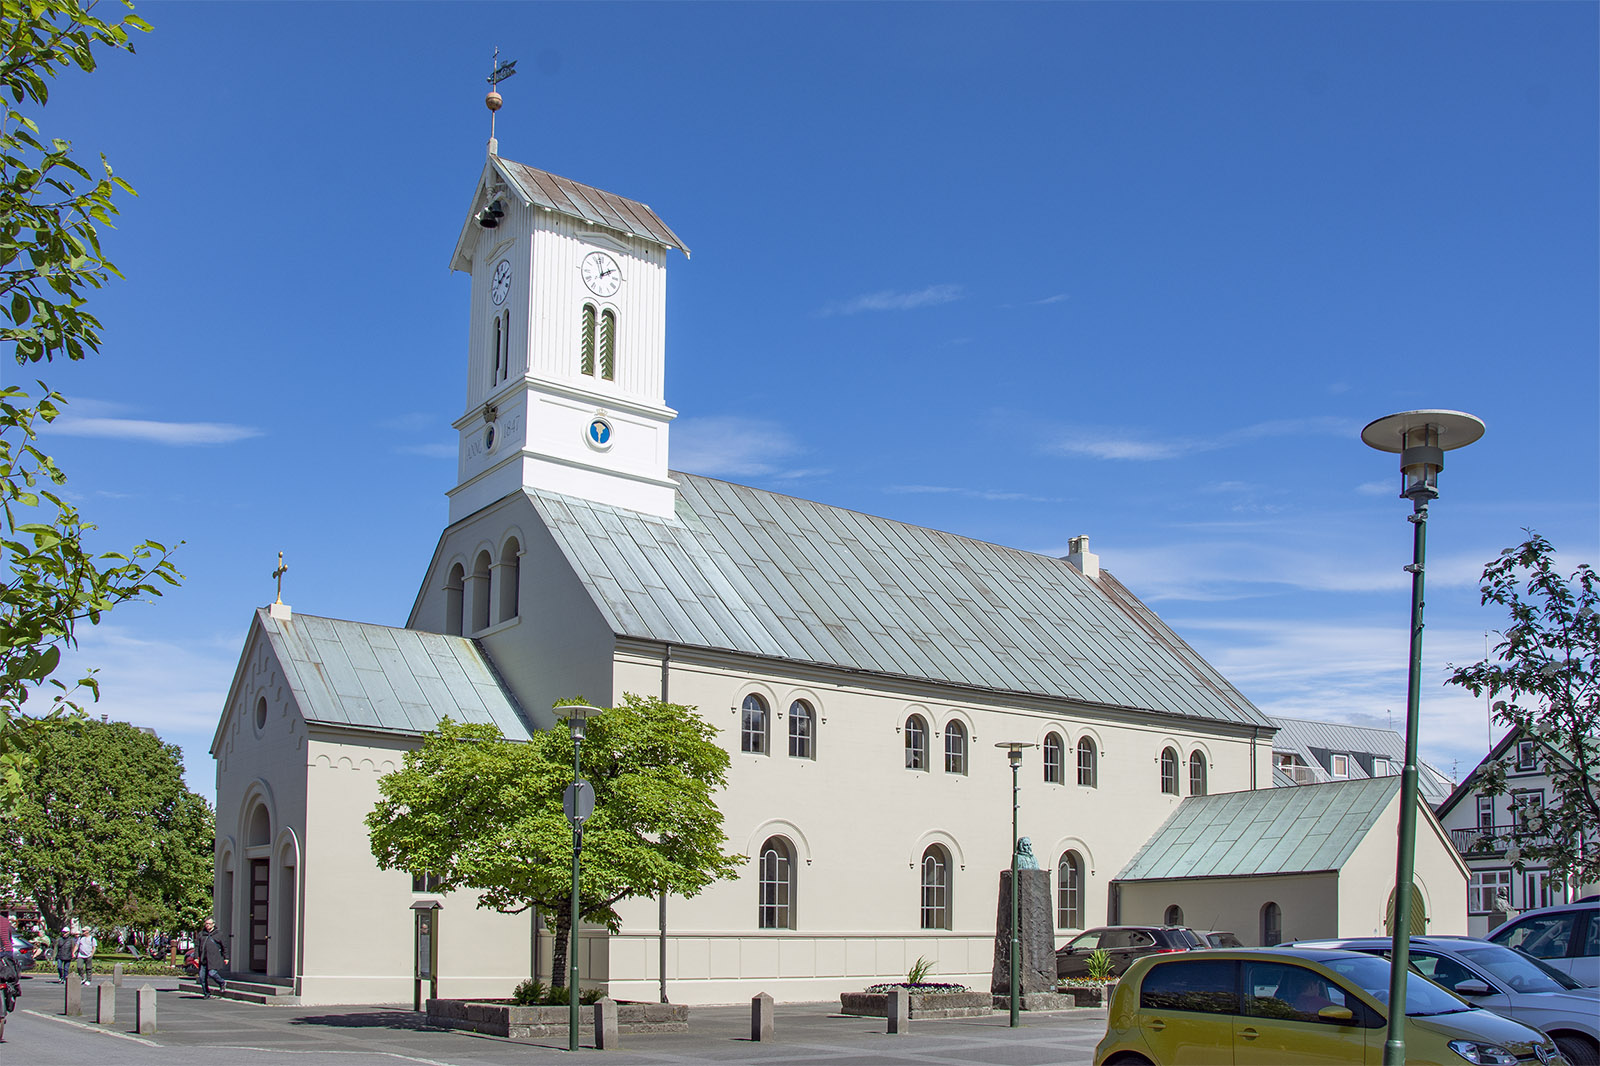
1079, 555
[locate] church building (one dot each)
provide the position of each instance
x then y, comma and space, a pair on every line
860, 672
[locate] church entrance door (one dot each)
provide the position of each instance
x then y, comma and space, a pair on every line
259, 870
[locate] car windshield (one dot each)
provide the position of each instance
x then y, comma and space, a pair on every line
1522, 972
1371, 975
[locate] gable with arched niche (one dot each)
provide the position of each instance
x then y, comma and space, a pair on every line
483, 586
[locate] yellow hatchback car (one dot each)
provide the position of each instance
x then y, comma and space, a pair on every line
1284, 1006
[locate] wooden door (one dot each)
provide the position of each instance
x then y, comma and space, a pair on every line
259, 870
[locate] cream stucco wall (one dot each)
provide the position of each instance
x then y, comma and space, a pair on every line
1308, 904
1368, 876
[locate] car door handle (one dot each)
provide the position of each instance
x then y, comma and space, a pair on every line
1157, 1024
1248, 1033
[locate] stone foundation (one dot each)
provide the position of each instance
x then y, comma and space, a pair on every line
1039, 1001
923, 1004
503, 1019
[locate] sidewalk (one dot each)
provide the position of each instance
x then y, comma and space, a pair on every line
228, 1033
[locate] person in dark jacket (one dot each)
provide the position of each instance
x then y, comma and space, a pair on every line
63, 951
213, 958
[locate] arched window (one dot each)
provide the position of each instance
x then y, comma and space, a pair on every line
1088, 764
1174, 916
777, 870
510, 579
1069, 891
499, 351
454, 587
1197, 777
1169, 771
505, 331
608, 344
802, 731
586, 342
753, 725
480, 593
1271, 925
936, 888
1054, 771
955, 748
916, 743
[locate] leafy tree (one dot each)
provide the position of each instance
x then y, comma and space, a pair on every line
106, 831
1544, 679
51, 210
485, 813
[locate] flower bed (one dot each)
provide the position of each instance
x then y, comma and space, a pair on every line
926, 1001
500, 1018
1087, 993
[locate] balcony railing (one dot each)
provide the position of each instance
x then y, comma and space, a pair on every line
1467, 841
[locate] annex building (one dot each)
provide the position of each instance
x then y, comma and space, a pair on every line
859, 671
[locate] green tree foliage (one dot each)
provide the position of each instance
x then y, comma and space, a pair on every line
51, 210
107, 833
485, 813
1544, 679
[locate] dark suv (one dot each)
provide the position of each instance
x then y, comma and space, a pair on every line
1123, 943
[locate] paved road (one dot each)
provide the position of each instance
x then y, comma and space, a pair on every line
198, 1032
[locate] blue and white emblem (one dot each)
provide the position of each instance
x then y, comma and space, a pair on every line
599, 432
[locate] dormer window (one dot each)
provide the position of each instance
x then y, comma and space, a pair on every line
1340, 766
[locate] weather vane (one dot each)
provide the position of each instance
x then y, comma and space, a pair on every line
278, 573
500, 73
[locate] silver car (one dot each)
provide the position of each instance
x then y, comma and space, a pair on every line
1507, 982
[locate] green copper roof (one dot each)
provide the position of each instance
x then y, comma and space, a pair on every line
764, 574
1306, 829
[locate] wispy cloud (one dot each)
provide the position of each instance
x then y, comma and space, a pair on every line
429, 451
889, 300
733, 446
1117, 443
992, 495
176, 434
1378, 488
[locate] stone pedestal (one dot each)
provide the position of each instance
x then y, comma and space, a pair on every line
74, 994
898, 1011
605, 1025
145, 1009
1037, 932
761, 1027
105, 1006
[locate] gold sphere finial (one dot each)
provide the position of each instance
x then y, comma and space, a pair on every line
493, 101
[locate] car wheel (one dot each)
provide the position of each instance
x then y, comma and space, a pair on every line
1128, 1058
1578, 1050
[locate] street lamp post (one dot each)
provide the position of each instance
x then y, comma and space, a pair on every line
1014, 753
578, 803
1421, 438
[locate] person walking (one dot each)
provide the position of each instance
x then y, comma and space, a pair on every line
10, 972
83, 954
63, 952
213, 958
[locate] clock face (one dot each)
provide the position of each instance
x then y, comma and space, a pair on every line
500, 284
601, 274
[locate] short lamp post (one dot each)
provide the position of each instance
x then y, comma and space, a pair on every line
1013, 752
1421, 438
578, 803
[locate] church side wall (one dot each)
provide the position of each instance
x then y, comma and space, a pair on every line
860, 824
359, 938
1308, 904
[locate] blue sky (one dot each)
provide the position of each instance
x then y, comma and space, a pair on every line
1017, 271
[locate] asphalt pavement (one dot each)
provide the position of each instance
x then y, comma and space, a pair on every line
219, 1032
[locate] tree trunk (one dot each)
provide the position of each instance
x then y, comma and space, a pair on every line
558, 952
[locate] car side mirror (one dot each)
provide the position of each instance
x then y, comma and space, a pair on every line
1472, 987
1336, 1014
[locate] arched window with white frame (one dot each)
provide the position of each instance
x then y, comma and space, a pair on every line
753, 725
935, 887
1069, 891
1197, 775
1088, 763
955, 748
1054, 772
916, 743
802, 731
1169, 771
776, 867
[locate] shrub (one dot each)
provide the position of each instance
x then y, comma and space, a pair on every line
531, 993
1099, 964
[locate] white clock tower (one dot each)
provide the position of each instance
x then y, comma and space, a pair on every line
567, 344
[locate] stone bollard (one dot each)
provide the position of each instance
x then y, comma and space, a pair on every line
761, 1017
74, 1007
899, 1010
605, 1024
105, 1005
116, 975
145, 1009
